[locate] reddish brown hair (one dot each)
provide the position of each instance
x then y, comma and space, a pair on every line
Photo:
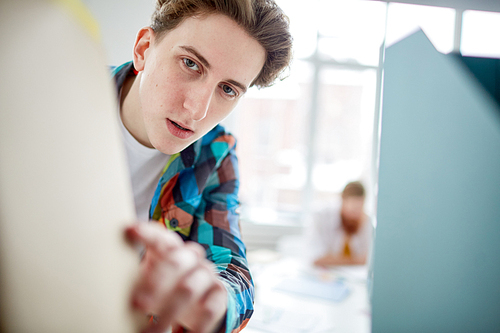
353, 189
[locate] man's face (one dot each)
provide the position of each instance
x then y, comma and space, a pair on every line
192, 78
352, 207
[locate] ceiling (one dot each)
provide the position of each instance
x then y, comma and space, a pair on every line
486, 5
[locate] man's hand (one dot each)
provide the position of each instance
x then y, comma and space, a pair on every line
176, 282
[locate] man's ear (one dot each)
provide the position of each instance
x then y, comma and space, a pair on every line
143, 43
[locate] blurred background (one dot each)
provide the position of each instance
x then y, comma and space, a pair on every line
302, 140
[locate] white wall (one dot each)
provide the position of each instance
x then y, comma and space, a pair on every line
119, 21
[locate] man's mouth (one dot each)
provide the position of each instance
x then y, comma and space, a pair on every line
178, 130
179, 126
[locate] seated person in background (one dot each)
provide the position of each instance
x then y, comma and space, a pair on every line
342, 233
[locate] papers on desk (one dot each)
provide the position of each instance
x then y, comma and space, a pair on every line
292, 296
283, 319
334, 291
277, 320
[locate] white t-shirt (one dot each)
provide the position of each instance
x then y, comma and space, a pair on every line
146, 167
327, 234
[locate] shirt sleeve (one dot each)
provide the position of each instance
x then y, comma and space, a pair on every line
319, 234
216, 227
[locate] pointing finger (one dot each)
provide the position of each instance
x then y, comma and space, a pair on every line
154, 236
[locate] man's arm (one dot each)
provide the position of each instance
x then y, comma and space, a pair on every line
177, 282
330, 259
216, 228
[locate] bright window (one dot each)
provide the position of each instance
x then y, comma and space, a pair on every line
302, 140
481, 34
436, 22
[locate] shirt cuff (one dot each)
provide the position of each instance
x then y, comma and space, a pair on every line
231, 312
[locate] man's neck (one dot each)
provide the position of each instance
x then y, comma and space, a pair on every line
130, 110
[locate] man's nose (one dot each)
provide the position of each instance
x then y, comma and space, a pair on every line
197, 101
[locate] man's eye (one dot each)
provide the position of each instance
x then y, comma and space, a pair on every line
191, 64
228, 90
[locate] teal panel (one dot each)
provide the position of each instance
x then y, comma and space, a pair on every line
437, 247
486, 71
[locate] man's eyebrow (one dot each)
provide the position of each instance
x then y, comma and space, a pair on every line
197, 55
239, 85
207, 65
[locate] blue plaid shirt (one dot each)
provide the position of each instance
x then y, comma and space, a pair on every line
197, 197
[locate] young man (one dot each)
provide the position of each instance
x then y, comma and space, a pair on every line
189, 70
342, 235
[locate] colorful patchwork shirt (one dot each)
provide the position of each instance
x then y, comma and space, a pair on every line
197, 197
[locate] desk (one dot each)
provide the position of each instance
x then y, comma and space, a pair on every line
284, 311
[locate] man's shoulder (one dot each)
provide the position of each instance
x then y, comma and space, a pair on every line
119, 73
330, 207
216, 145
117, 69
218, 135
